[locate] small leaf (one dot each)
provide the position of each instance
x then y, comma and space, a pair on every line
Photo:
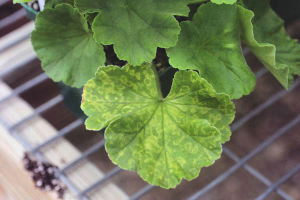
223, 1
211, 44
269, 41
135, 28
164, 140
66, 46
21, 1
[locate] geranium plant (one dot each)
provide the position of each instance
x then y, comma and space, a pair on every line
163, 137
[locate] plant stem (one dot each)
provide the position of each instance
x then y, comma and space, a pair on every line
158, 87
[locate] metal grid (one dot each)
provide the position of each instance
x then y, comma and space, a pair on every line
239, 162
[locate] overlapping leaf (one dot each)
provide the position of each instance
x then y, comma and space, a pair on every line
65, 45
211, 44
269, 41
135, 28
164, 140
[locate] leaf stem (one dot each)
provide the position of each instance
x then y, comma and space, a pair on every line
158, 87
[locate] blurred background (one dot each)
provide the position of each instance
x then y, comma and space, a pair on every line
43, 118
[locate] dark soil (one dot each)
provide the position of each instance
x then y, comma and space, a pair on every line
43, 175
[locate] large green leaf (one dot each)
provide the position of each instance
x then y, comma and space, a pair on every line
65, 45
211, 44
135, 28
164, 140
269, 41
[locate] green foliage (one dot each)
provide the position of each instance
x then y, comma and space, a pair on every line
66, 46
164, 140
211, 44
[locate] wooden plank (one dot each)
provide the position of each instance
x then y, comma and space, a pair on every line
16, 36
20, 52
16, 55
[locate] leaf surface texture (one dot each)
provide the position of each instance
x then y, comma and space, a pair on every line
164, 140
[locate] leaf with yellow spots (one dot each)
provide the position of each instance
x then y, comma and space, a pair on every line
163, 139
210, 43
